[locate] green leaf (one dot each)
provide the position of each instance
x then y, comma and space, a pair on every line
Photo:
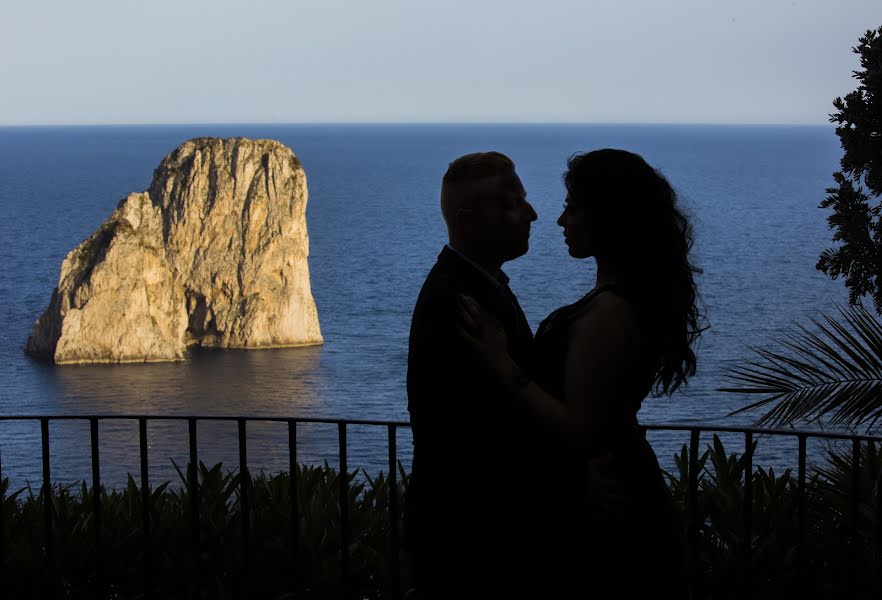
832, 375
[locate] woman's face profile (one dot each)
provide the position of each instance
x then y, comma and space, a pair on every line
576, 229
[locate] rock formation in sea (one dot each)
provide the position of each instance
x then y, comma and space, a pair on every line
214, 254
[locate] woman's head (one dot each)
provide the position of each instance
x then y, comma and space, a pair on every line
615, 203
622, 211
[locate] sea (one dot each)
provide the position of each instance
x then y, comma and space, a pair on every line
375, 229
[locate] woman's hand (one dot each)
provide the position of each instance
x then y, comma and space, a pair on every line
484, 334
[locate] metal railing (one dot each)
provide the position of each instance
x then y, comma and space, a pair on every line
393, 516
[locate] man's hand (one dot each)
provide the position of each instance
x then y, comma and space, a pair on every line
484, 334
606, 491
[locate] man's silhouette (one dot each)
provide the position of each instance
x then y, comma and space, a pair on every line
468, 513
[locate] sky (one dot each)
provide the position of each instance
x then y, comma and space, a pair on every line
427, 61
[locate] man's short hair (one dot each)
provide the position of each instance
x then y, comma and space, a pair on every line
478, 165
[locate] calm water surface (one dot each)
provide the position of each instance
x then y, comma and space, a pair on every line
375, 231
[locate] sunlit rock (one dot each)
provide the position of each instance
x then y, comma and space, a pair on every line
214, 254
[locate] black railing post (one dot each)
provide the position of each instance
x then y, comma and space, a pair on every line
801, 520
2, 528
145, 507
293, 497
854, 554
878, 522
244, 507
96, 504
47, 506
747, 508
194, 509
344, 510
393, 513
693, 511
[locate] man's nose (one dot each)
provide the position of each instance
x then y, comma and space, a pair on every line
531, 212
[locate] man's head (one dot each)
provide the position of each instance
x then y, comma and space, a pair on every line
485, 207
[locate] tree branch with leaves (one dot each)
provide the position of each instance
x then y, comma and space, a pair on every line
855, 199
832, 375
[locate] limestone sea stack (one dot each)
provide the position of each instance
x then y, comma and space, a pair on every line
213, 254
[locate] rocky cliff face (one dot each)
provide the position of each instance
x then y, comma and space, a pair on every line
214, 254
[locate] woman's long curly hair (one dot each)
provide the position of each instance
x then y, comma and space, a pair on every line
637, 226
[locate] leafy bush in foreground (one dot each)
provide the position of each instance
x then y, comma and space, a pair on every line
272, 567
839, 554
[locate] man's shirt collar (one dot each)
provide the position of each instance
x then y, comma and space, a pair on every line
497, 282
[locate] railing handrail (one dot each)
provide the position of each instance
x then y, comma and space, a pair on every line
763, 431
234, 418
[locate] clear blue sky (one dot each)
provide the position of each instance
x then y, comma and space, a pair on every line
635, 61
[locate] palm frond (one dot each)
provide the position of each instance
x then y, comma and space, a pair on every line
831, 373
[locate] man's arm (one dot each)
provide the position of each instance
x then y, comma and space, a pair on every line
436, 373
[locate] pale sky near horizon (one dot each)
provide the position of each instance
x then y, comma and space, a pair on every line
629, 61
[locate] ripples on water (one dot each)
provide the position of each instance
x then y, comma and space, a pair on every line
375, 230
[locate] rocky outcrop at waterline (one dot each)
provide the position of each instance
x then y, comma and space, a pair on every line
214, 254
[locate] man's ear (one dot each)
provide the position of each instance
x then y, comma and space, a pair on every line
465, 216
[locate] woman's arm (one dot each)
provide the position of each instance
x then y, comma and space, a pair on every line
602, 343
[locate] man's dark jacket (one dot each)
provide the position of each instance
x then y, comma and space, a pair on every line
468, 515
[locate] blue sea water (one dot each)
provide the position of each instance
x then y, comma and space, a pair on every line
375, 230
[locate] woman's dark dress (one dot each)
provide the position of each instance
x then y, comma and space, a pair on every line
638, 551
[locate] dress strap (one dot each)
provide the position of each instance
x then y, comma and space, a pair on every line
587, 298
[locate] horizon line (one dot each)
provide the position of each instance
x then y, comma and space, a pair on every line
413, 123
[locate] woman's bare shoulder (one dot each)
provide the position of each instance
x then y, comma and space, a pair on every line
608, 315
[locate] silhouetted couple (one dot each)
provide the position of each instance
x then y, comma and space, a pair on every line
531, 476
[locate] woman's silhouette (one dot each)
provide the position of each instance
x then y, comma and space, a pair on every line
594, 362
